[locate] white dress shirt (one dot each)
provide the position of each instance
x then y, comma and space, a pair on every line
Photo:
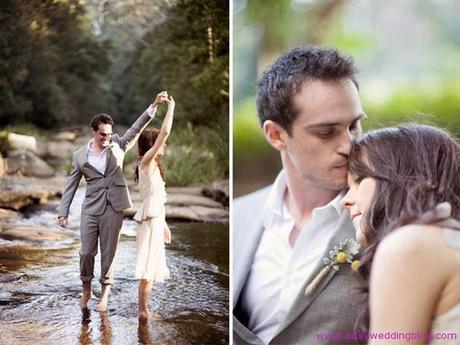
99, 161
278, 271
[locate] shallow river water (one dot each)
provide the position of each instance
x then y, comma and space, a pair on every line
41, 305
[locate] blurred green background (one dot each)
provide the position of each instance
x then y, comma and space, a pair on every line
407, 53
62, 61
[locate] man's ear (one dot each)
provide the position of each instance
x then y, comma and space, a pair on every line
275, 135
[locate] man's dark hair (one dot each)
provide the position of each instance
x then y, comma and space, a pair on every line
279, 84
101, 118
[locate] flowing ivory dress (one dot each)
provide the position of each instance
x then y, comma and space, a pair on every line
151, 257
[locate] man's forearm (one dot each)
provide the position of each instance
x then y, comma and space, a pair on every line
69, 190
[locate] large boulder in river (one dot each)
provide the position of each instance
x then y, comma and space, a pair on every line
60, 146
197, 213
28, 163
17, 192
218, 191
65, 136
22, 142
60, 149
6, 214
32, 233
186, 203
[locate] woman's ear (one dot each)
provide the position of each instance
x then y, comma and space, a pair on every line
275, 135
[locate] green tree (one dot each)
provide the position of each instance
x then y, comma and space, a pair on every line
51, 66
186, 54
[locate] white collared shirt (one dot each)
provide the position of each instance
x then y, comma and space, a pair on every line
98, 161
279, 272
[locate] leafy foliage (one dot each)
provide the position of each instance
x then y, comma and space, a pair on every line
63, 61
50, 65
178, 55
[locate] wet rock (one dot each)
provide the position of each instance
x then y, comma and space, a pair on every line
7, 214
190, 199
218, 191
192, 212
15, 256
185, 203
6, 278
183, 200
28, 163
18, 192
65, 136
60, 149
22, 142
31, 233
197, 213
185, 190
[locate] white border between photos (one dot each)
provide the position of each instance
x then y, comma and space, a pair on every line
230, 173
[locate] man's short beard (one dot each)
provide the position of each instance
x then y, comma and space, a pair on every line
335, 186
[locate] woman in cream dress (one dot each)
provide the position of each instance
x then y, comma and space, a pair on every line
404, 201
152, 230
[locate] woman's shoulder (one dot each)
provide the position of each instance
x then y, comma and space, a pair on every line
412, 239
415, 245
408, 254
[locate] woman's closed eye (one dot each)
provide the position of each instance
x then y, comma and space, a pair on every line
356, 179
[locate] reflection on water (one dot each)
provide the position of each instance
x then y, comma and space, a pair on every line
105, 330
41, 305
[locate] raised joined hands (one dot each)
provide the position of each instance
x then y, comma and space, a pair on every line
161, 98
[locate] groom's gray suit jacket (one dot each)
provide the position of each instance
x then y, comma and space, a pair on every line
330, 311
103, 188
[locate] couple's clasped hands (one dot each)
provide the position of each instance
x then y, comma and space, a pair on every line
162, 98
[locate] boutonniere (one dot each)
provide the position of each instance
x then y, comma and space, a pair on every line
344, 253
111, 145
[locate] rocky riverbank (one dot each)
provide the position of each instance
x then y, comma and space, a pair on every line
184, 203
32, 173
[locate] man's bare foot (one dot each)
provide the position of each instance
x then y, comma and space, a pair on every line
149, 315
86, 296
102, 305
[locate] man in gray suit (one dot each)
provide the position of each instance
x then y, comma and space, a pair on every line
107, 195
310, 111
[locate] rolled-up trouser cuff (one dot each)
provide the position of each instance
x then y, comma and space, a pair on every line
86, 278
106, 281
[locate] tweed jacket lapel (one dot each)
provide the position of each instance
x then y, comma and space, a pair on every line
110, 159
115, 156
302, 302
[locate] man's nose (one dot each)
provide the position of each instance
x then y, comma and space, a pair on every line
344, 147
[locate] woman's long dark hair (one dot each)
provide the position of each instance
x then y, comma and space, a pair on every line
146, 141
416, 167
